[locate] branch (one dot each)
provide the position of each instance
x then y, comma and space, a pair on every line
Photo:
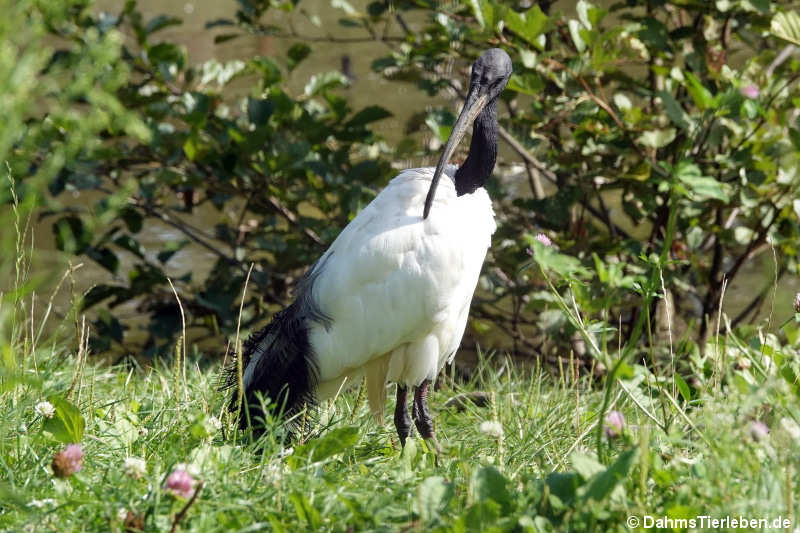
755, 304
182, 513
292, 218
183, 228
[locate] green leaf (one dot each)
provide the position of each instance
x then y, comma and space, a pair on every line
377, 8
683, 388
528, 83
702, 97
674, 110
654, 34
133, 219
589, 15
11, 497
125, 430
479, 517
602, 485
488, 483
259, 110
160, 22
332, 443
585, 465
434, 495
574, 27
225, 37
624, 371
72, 236
367, 115
657, 138
550, 259
306, 512
297, 53
699, 187
529, 25
484, 13
270, 72
129, 243
67, 423
168, 58
324, 81
190, 148
441, 122
104, 257
786, 26
198, 106
564, 485
345, 6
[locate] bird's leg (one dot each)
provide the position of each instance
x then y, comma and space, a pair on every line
401, 419
422, 417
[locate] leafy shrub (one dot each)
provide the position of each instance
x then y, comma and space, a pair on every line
623, 119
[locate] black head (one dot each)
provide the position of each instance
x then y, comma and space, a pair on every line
490, 74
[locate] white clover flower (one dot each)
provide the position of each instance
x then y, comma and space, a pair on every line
493, 428
215, 423
274, 471
122, 514
285, 452
134, 467
45, 409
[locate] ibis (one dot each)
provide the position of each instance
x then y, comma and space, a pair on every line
389, 300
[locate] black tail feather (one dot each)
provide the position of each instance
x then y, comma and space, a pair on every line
284, 367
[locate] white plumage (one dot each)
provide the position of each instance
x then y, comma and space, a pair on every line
389, 300
398, 287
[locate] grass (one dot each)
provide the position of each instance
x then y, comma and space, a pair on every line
541, 474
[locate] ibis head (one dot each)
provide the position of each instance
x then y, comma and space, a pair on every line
490, 73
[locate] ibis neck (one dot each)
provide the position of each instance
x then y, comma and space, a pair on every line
482, 152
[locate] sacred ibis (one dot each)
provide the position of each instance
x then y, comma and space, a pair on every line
388, 301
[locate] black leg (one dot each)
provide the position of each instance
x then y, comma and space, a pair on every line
401, 419
422, 417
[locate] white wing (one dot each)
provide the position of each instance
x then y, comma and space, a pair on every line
393, 283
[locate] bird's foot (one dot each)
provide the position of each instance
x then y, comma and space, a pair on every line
402, 422
424, 421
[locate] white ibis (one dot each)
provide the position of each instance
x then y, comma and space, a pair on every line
388, 301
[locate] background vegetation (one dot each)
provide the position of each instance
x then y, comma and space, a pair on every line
655, 143
615, 118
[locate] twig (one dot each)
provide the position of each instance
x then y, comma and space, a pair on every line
292, 218
782, 56
755, 304
182, 512
534, 178
183, 229
763, 119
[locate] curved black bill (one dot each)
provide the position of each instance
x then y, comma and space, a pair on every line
472, 107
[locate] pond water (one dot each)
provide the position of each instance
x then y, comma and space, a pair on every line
367, 88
